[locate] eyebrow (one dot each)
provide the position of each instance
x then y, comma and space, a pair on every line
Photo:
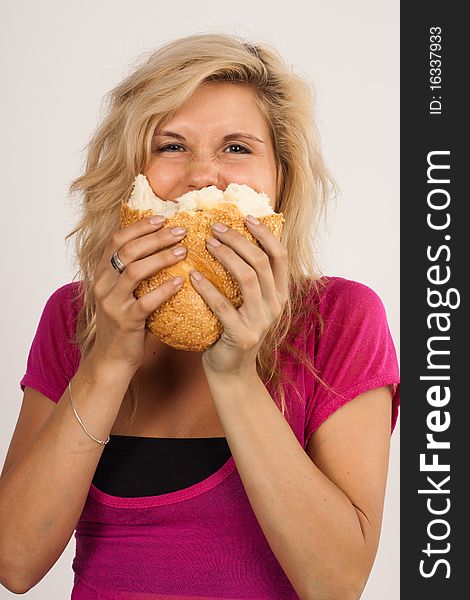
236, 134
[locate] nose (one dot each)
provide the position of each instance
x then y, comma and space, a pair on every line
202, 173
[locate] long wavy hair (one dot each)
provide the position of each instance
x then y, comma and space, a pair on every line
121, 148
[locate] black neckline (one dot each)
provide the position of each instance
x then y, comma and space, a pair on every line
135, 443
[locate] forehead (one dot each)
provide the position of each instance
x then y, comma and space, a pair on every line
221, 104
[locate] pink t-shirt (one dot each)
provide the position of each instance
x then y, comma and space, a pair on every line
204, 541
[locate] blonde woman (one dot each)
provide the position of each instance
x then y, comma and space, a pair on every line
255, 469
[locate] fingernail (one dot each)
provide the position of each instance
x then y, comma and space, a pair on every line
213, 242
178, 280
156, 220
197, 276
220, 227
179, 250
251, 219
178, 230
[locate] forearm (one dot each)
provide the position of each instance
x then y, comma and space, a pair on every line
43, 493
310, 524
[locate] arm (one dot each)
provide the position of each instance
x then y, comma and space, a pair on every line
43, 492
320, 509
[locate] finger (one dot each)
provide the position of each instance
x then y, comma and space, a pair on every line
105, 275
142, 269
216, 301
272, 291
277, 254
136, 249
147, 245
243, 273
149, 302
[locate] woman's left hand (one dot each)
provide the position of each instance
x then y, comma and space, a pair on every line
263, 279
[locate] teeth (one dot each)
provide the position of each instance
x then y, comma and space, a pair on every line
245, 198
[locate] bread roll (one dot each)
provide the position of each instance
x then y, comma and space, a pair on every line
185, 322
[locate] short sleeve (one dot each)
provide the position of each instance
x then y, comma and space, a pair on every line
354, 353
53, 358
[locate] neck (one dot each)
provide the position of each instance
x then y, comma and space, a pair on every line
165, 362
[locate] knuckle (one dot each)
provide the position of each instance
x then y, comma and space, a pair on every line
249, 277
222, 306
262, 328
261, 260
115, 239
264, 325
281, 253
98, 290
106, 306
128, 251
248, 341
131, 272
145, 304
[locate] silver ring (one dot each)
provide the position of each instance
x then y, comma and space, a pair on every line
117, 264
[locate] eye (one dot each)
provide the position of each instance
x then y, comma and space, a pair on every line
169, 147
239, 147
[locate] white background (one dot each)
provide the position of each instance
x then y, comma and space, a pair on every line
59, 58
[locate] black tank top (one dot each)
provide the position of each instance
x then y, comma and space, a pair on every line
132, 466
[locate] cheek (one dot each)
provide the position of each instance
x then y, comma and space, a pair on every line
162, 177
254, 175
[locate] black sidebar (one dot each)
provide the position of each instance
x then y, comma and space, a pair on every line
435, 257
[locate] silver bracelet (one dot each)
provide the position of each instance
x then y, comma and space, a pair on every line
81, 422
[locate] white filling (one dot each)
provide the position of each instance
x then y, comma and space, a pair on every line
246, 199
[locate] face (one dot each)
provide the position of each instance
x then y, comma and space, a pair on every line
218, 137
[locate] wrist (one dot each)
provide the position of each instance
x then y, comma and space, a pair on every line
100, 368
245, 368
227, 387
244, 374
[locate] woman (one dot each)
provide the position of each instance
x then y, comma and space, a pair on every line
255, 469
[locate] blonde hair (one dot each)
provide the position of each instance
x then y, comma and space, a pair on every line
121, 148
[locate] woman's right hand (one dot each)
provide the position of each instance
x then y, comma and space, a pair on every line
120, 317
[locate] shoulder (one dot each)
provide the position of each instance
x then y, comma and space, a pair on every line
66, 292
344, 311
66, 298
332, 300
341, 299
62, 307
339, 290
54, 355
